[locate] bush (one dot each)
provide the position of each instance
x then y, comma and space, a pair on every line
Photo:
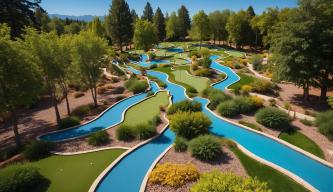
118, 90
99, 138
202, 72
215, 96
216, 181
246, 89
257, 101
185, 105
8, 152
273, 118
153, 66
180, 144
205, 62
37, 150
156, 120
261, 86
174, 175
136, 86
81, 110
306, 122
78, 94
144, 131
189, 124
245, 104
256, 61
205, 52
205, 148
21, 179
120, 97
324, 121
150, 93
191, 89
70, 121
125, 133
114, 69
228, 108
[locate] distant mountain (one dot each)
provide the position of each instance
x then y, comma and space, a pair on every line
80, 18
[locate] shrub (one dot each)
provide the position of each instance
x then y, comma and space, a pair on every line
118, 90
185, 105
144, 130
70, 121
136, 86
114, 69
256, 61
306, 122
205, 148
8, 152
125, 133
191, 89
156, 120
98, 138
153, 66
78, 94
244, 104
37, 150
101, 90
81, 110
246, 89
174, 175
21, 179
120, 97
261, 86
202, 72
216, 181
150, 93
324, 121
330, 101
215, 96
189, 124
180, 144
273, 118
257, 101
228, 108
205, 62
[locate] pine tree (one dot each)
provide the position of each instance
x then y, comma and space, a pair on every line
184, 22
159, 22
134, 15
119, 23
148, 13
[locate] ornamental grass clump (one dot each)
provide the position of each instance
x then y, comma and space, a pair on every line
324, 121
273, 118
185, 105
180, 144
205, 148
99, 138
174, 175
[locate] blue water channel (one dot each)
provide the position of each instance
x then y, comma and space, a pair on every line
144, 61
108, 119
129, 173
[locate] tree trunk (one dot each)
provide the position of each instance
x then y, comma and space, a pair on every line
306, 92
324, 87
67, 105
94, 95
17, 136
121, 46
55, 104
65, 93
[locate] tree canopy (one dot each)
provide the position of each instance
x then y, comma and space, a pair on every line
148, 13
159, 22
145, 35
200, 27
184, 22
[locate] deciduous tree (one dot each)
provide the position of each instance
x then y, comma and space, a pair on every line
200, 27
145, 35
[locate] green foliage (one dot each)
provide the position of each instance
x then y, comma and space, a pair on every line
228, 108
8, 152
145, 35
324, 121
136, 86
200, 29
330, 101
184, 22
114, 69
148, 13
125, 133
156, 120
37, 150
238, 27
70, 121
189, 124
144, 130
215, 96
205, 62
261, 86
173, 27
218, 21
180, 144
251, 125
98, 138
306, 122
159, 23
185, 105
256, 61
216, 181
273, 118
205, 148
21, 179
82, 110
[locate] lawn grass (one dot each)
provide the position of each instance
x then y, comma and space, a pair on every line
244, 80
300, 140
146, 110
71, 173
235, 53
251, 125
198, 83
172, 79
275, 180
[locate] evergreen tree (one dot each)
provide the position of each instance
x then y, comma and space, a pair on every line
96, 27
250, 11
18, 14
159, 23
119, 23
184, 22
134, 16
148, 13
200, 27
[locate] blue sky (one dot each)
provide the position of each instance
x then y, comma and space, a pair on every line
101, 7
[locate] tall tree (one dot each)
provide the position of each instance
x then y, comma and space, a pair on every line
250, 11
88, 51
159, 22
119, 23
238, 26
184, 22
148, 13
200, 27
218, 21
96, 27
134, 15
172, 27
20, 80
18, 14
145, 35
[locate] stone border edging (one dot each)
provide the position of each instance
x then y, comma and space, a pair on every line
88, 151
102, 175
99, 115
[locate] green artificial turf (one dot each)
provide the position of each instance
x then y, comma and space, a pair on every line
300, 140
199, 83
235, 53
146, 110
73, 173
275, 180
244, 80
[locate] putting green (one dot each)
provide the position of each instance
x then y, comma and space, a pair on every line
146, 110
235, 53
199, 83
71, 173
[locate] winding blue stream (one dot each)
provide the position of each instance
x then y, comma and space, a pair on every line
108, 119
129, 173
